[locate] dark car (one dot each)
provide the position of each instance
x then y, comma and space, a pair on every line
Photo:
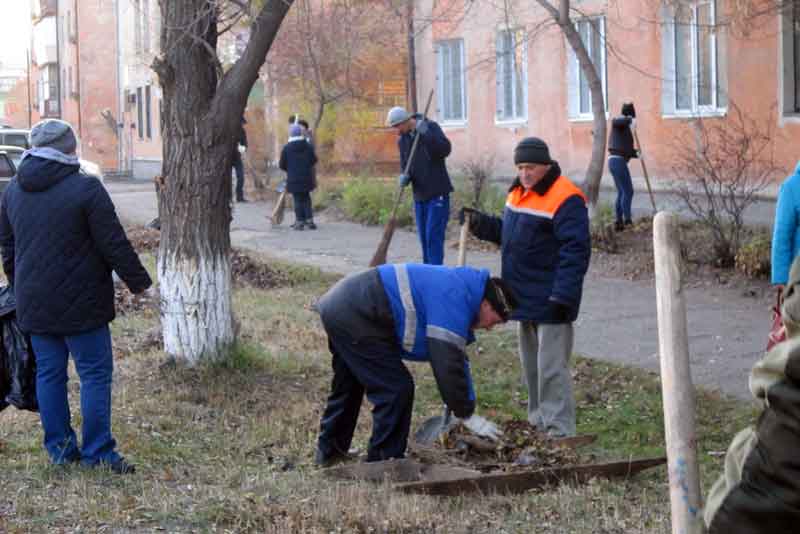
7, 170
15, 137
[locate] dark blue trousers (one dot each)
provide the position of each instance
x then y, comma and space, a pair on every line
373, 367
622, 179
238, 167
432, 216
302, 207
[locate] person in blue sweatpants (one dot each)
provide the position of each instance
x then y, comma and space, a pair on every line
377, 318
60, 240
428, 176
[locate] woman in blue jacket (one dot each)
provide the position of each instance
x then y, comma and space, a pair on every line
785, 234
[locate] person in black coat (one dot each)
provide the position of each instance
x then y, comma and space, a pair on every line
298, 160
238, 163
621, 150
60, 240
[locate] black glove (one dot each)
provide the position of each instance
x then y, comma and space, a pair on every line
462, 215
628, 110
558, 311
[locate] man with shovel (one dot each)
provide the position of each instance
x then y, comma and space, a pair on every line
428, 177
376, 318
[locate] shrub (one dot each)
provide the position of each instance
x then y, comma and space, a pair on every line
492, 199
327, 194
753, 258
602, 229
723, 171
370, 201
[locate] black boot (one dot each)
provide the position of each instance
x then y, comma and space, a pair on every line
619, 226
298, 225
310, 224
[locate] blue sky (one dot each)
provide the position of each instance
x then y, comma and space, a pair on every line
15, 24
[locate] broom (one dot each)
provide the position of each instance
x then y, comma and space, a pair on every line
388, 231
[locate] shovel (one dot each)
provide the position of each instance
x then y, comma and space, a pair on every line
433, 427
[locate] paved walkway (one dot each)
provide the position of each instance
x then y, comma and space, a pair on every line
617, 321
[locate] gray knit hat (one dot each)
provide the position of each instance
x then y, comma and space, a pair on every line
55, 134
397, 115
532, 150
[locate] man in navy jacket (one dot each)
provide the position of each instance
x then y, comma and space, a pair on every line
377, 318
60, 240
545, 240
428, 177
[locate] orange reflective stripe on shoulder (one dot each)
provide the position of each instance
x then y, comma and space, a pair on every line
546, 205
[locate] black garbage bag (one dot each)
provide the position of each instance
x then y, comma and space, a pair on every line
19, 360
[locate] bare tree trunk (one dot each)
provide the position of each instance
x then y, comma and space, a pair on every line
200, 120
594, 173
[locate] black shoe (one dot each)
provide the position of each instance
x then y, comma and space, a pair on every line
297, 226
120, 467
241, 200
628, 223
311, 226
619, 226
320, 460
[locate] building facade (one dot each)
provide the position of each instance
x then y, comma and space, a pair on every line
501, 74
73, 74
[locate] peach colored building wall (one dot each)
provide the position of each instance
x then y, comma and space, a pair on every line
634, 71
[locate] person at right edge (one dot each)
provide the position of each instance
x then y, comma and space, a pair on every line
759, 490
428, 177
545, 248
621, 150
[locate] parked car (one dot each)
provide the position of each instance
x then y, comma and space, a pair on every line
15, 137
87, 167
7, 170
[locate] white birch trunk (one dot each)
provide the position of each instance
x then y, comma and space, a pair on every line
196, 313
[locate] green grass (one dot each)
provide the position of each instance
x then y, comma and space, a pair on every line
228, 447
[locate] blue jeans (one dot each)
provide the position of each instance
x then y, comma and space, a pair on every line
622, 179
93, 358
432, 216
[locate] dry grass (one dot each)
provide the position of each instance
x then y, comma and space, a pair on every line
228, 448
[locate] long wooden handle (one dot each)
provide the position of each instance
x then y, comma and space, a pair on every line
644, 170
462, 242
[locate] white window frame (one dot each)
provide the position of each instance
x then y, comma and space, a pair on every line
695, 109
790, 103
519, 113
575, 72
440, 83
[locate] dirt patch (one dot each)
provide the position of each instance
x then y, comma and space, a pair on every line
245, 270
128, 303
634, 259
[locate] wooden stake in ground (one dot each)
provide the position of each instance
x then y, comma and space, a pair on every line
462, 241
644, 170
388, 231
676, 379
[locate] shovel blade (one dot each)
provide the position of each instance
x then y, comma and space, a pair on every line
430, 430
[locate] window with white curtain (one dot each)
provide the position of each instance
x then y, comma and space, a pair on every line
693, 52
592, 32
512, 76
451, 93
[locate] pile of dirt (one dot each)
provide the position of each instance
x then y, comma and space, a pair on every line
521, 446
246, 271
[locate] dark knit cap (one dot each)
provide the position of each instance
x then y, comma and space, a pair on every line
532, 150
500, 297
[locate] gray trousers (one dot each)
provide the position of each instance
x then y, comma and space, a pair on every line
544, 351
